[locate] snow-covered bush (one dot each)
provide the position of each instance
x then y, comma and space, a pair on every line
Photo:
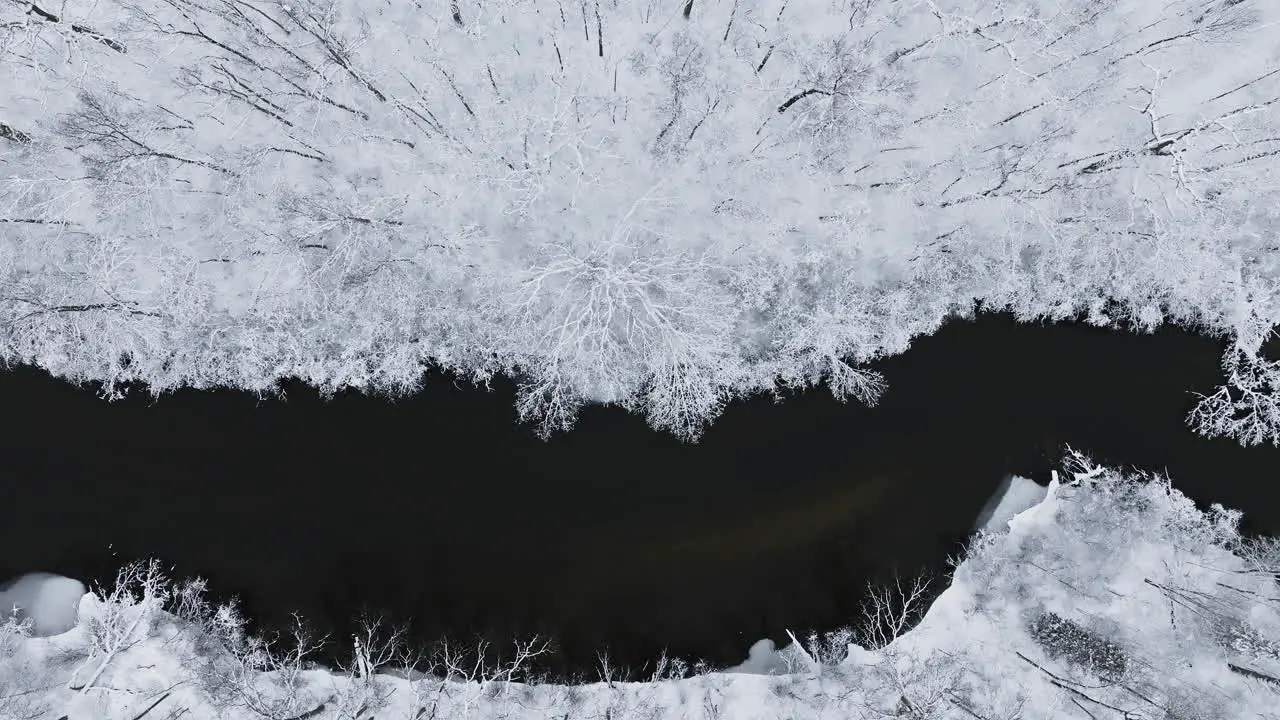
1066, 640
120, 619
1262, 554
265, 676
21, 686
367, 691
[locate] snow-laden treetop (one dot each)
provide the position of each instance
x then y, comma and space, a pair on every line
658, 204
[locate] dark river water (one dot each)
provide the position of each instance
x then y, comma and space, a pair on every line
440, 509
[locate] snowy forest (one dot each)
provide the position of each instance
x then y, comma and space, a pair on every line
658, 205
662, 208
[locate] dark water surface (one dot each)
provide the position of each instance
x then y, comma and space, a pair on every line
441, 509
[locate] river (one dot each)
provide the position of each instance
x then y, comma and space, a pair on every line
441, 509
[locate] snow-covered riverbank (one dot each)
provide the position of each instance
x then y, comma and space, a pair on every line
1111, 595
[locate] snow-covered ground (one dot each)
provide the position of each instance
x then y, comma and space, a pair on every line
1112, 597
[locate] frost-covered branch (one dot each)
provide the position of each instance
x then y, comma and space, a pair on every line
265, 676
1248, 407
364, 689
21, 686
889, 611
121, 619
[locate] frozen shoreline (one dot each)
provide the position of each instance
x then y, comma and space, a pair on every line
1106, 577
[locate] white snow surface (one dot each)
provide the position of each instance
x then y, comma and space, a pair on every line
1014, 495
762, 659
49, 601
1191, 610
621, 204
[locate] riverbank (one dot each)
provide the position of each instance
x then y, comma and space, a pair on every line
777, 519
1114, 594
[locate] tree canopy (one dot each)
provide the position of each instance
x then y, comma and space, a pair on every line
662, 205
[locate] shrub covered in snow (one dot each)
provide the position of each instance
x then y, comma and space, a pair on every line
1065, 640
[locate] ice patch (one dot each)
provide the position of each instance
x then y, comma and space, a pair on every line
762, 659
50, 601
1014, 495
